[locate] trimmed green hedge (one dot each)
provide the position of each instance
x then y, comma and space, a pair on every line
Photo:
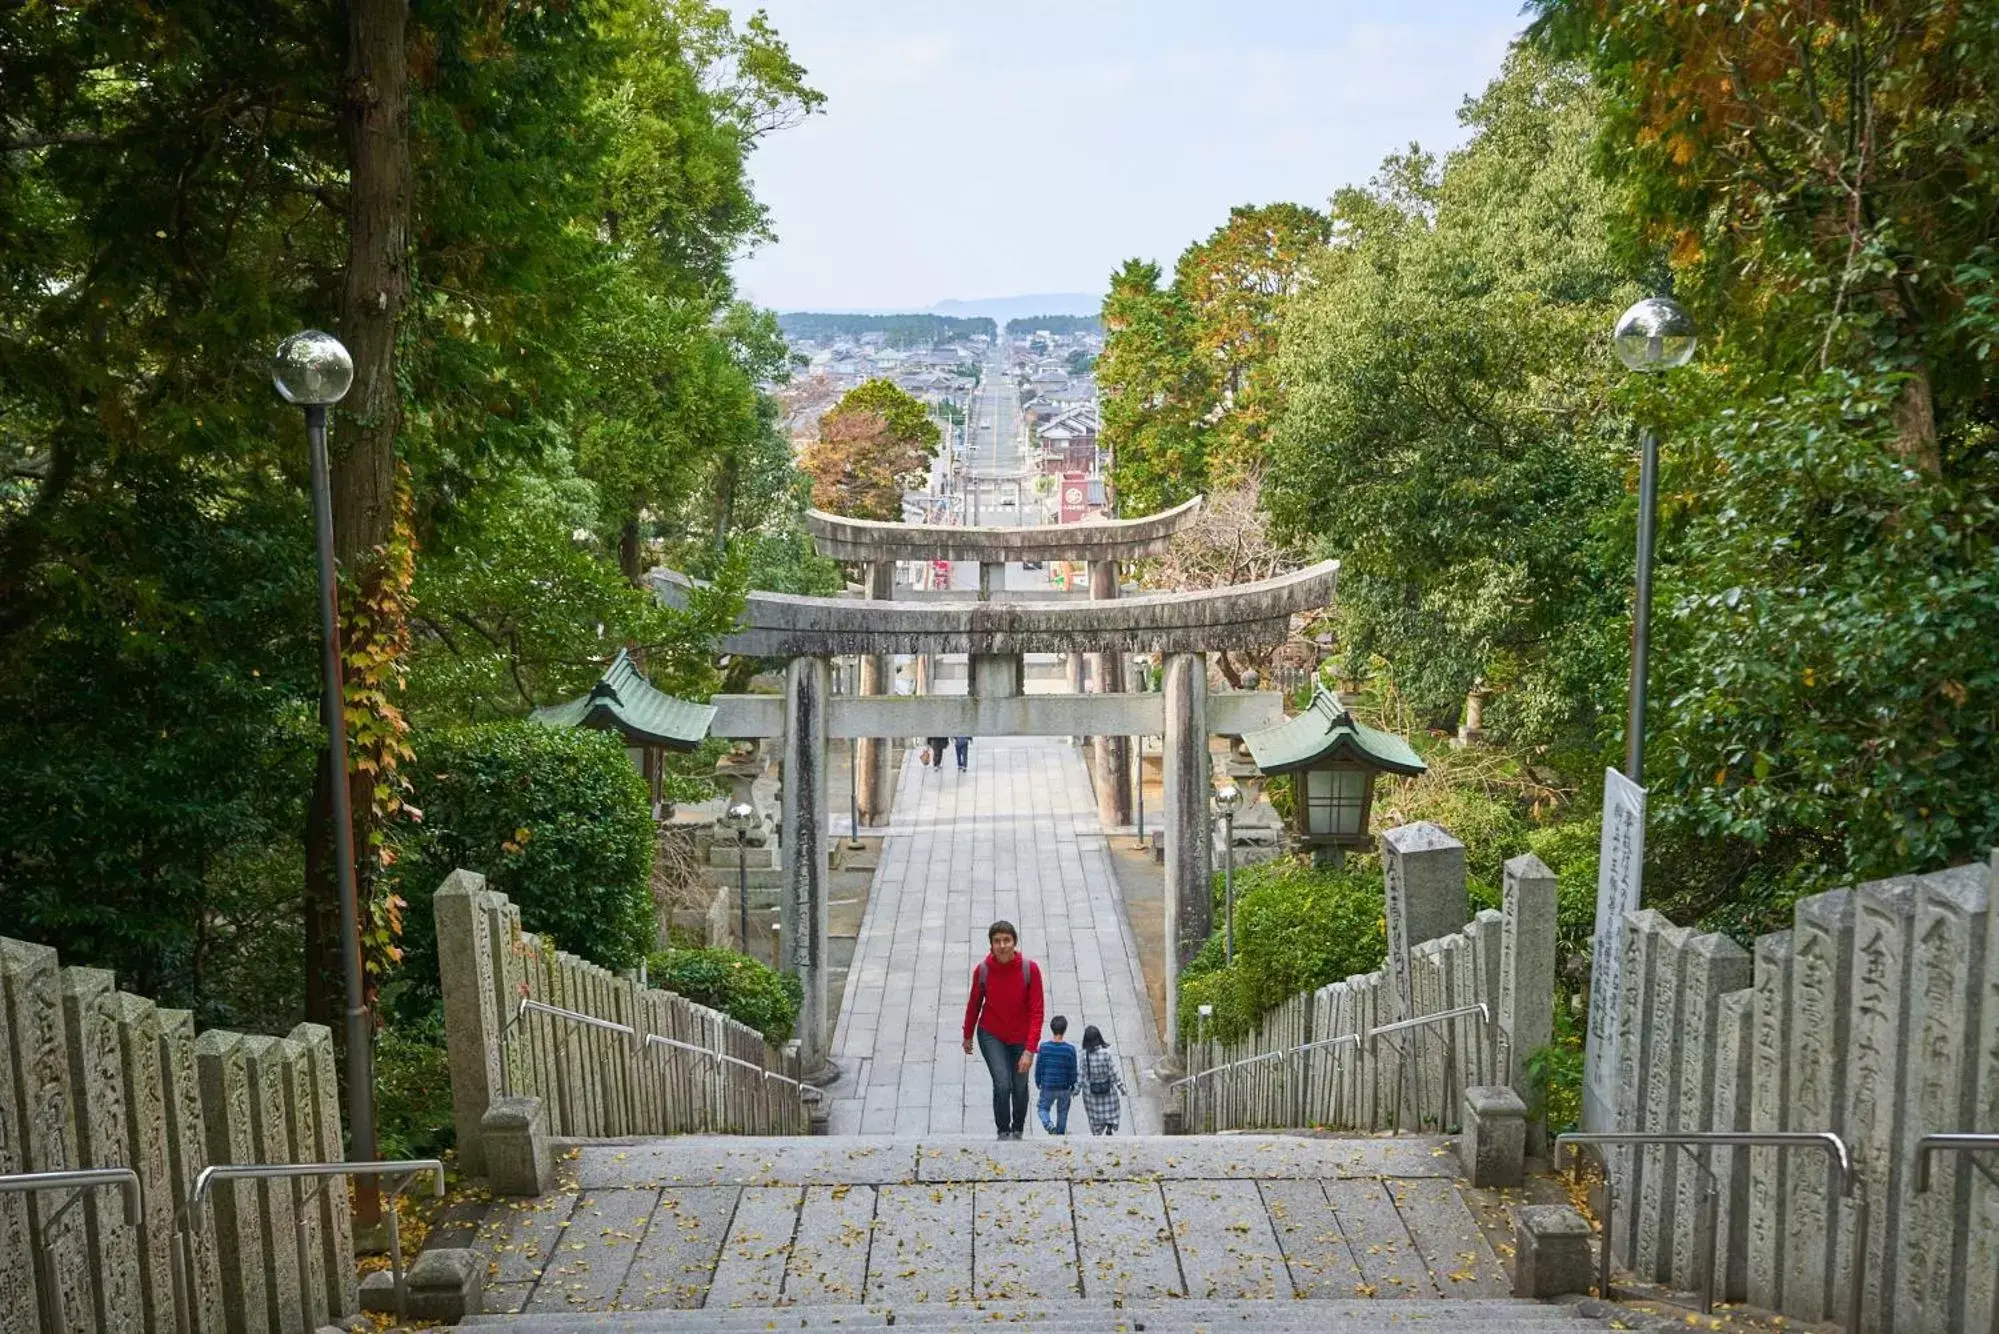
1296, 930
747, 991
557, 820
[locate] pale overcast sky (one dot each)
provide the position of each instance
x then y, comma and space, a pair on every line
1006, 147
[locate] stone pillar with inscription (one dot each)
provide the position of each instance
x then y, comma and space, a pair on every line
1734, 1029
803, 910
872, 753
1884, 913
1935, 1283
472, 1019
1822, 952
98, 1086
1189, 851
1526, 967
1715, 966
1980, 1264
1659, 1087
1769, 1085
31, 1013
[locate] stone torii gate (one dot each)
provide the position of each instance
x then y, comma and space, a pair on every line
1182, 627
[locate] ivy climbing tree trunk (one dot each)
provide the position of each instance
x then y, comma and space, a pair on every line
369, 526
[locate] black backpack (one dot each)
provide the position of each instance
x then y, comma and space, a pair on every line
1104, 1086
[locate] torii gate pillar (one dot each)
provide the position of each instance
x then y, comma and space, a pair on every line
871, 759
1113, 752
803, 910
1189, 858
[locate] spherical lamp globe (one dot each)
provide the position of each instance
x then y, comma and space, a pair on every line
739, 818
1656, 334
1228, 800
312, 369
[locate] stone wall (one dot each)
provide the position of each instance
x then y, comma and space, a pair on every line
94, 1077
1876, 1016
593, 1083
1414, 1079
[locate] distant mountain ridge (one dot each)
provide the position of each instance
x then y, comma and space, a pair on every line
1005, 308
997, 308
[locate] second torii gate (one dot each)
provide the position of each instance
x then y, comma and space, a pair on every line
1182, 627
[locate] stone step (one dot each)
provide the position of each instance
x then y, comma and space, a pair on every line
1058, 1317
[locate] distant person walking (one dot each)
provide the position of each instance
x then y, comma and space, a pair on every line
1102, 1084
1004, 1012
1055, 1078
962, 744
937, 745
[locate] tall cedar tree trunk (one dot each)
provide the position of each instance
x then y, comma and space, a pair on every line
374, 124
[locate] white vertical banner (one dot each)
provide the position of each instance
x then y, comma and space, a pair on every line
1619, 870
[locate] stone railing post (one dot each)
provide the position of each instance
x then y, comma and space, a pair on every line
804, 906
1424, 886
187, 1154
1189, 855
265, 1068
31, 1015
232, 1206
97, 1084
1526, 972
320, 1121
472, 1019
137, 1024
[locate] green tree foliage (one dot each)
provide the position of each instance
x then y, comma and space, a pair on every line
1189, 374
745, 989
580, 396
1155, 392
557, 820
875, 444
1822, 182
1450, 435
1297, 929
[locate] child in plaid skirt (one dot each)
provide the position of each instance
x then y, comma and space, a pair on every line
1103, 1085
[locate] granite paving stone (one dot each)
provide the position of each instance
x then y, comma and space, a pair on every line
750, 1269
1125, 1240
922, 1244
1024, 1240
1453, 1246
1316, 1247
1227, 1247
676, 1260
595, 1251
1390, 1264
829, 1255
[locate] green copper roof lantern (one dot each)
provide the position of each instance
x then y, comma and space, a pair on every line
1334, 758
623, 701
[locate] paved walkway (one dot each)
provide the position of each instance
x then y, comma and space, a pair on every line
1017, 838
688, 1223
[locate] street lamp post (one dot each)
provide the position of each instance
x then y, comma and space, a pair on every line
740, 818
1227, 801
1654, 335
312, 370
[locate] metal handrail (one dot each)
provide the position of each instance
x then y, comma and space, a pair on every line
399, 1171
1839, 1167
642, 1039
1302, 1047
74, 1181
1954, 1142
1478, 1008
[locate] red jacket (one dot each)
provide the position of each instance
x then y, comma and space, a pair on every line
1009, 1005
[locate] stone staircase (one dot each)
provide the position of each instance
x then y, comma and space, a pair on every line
954, 1233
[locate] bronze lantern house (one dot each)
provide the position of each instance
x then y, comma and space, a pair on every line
1333, 759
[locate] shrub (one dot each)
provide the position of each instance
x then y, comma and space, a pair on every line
413, 1090
557, 820
1297, 928
747, 991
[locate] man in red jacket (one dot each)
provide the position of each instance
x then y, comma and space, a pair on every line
1005, 1010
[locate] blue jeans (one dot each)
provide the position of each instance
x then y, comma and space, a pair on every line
1009, 1082
961, 745
1059, 1100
